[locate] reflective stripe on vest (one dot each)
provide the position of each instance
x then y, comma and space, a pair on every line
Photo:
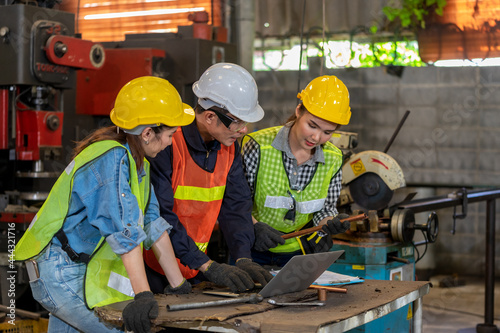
198, 196
273, 195
50, 219
306, 207
202, 246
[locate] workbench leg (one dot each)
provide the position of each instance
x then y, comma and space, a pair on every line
489, 301
417, 315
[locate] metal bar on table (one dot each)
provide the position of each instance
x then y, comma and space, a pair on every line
329, 288
254, 298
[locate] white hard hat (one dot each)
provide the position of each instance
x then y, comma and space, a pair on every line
231, 87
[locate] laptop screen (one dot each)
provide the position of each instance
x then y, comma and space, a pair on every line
299, 273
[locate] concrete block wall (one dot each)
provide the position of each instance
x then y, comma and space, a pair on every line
450, 140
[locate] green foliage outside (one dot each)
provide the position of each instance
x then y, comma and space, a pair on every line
402, 14
412, 13
342, 54
390, 53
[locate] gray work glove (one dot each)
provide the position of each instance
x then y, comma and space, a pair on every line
230, 276
266, 237
335, 226
183, 288
256, 271
137, 315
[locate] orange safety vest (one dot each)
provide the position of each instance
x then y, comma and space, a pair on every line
197, 197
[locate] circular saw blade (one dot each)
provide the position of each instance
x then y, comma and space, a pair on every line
370, 192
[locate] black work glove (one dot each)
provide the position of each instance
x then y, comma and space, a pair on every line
230, 276
138, 314
315, 242
321, 241
256, 271
183, 288
266, 237
335, 226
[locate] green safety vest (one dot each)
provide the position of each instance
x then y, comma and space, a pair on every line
108, 280
273, 195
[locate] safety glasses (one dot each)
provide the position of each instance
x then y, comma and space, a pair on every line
232, 124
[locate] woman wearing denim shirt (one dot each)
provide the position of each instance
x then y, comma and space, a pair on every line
105, 205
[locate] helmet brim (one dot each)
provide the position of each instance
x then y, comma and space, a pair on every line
186, 117
256, 115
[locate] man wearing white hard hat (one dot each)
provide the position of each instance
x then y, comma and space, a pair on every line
199, 181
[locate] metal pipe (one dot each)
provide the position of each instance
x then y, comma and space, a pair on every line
253, 298
489, 301
476, 196
328, 288
319, 227
422, 205
245, 16
21, 313
273, 302
389, 144
403, 260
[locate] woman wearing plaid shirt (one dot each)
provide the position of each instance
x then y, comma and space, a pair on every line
295, 175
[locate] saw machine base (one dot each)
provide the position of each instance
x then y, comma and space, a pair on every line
390, 261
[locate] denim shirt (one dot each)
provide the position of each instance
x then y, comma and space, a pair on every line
102, 205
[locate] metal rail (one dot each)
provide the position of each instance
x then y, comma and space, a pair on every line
457, 199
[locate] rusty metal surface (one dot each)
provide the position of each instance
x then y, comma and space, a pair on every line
112, 314
365, 301
371, 297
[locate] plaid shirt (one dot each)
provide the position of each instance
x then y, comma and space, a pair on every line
298, 175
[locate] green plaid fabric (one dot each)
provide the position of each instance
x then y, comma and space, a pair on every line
273, 195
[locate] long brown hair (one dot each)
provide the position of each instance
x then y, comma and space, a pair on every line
113, 133
293, 117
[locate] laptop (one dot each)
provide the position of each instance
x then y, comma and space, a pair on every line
299, 273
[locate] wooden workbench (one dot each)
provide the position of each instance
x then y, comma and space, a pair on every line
362, 303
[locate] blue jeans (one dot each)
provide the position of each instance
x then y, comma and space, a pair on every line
60, 290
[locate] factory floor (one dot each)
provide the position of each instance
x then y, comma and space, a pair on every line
458, 308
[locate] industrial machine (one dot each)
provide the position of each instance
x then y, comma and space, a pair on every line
179, 57
380, 246
40, 56
39, 59
369, 180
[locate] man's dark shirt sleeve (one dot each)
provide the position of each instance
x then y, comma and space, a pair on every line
235, 218
161, 177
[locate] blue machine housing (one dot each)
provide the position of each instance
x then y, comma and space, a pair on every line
369, 261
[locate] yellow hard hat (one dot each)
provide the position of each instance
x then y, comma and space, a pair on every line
327, 98
152, 101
